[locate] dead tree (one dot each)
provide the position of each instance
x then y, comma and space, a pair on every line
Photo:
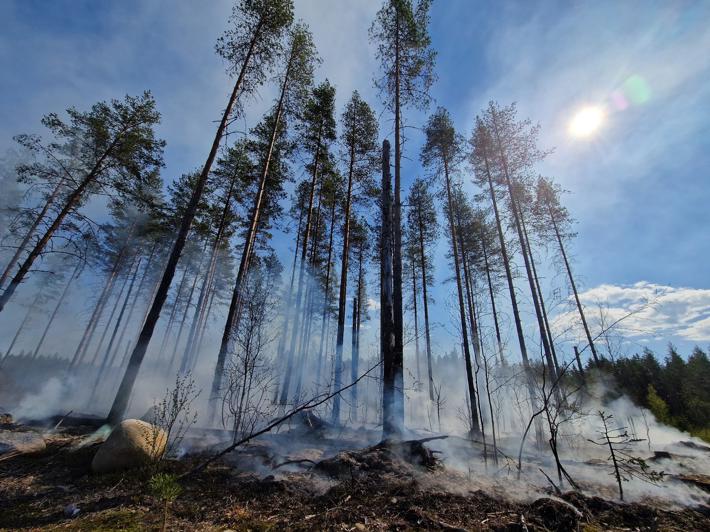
393, 378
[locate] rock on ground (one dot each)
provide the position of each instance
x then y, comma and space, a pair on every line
18, 442
132, 443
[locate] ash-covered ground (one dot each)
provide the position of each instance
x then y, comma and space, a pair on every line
309, 475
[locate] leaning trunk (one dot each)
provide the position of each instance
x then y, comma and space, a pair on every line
126, 387
31, 231
232, 313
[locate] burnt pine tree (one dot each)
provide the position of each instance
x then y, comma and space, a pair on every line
392, 379
358, 147
317, 129
421, 233
295, 83
407, 63
105, 148
548, 208
442, 153
250, 48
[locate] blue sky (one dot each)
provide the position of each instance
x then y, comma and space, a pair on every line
639, 189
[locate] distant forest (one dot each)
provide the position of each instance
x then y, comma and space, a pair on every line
676, 391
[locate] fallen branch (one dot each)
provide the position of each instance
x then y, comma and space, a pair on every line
62, 419
308, 405
557, 490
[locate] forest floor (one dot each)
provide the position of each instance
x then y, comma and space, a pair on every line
364, 489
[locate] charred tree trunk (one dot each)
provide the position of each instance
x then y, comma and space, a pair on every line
392, 394
354, 362
397, 310
416, 326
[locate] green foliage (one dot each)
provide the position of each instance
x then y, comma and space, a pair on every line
676, 391
400, 30
258, 26
421, 230
657, 406
443, 146
359, 142
165, 487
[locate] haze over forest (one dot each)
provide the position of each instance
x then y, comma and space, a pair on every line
479, 222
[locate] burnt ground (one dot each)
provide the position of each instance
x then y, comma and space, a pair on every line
370, 489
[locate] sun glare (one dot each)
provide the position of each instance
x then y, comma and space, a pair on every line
587, 121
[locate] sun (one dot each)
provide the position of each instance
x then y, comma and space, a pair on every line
587, 121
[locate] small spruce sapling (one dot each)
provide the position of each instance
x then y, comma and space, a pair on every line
626, 466
166, 488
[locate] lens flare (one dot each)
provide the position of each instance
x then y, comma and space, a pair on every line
587, 121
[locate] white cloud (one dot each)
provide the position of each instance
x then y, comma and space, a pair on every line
648, 312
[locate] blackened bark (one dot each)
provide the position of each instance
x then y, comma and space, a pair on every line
392, 415
422, 260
